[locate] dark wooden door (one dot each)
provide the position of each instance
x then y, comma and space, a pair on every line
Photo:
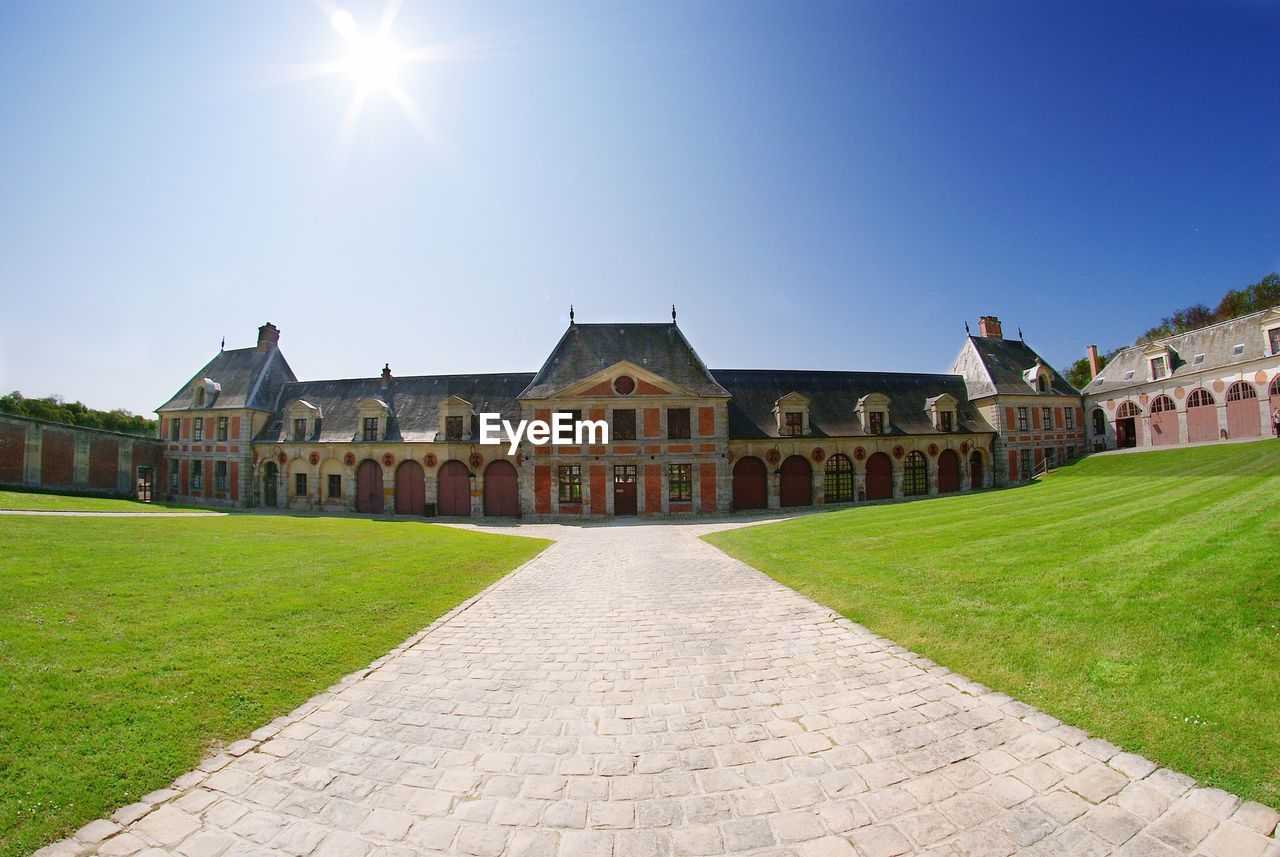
975, 470
453, 490
879, 477
948, 471
369, 487
749, 488
796, 484
501, 489
624, 489
1126, 433
411, 489
146, 475
269, 485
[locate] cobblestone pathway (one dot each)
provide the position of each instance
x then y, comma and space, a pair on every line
635, 692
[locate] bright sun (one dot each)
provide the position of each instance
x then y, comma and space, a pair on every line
372, 61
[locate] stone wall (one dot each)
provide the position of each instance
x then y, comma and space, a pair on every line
36, 454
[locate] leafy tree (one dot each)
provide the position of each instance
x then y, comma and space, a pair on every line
54, 409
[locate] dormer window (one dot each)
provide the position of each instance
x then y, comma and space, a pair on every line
370, 429
1042, 384
875, 423
1273, 341
1159, 368
1238, 350
300, 429
455, 420
302, 421
792, 413
942, 411
793, 425
453, 428
203, 392
873, 413
944, 421
199, 397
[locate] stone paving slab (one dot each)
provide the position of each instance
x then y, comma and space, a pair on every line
634, 692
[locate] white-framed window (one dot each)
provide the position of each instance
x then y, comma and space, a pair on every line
1159, 368
219, 476
197, 428
1069, 417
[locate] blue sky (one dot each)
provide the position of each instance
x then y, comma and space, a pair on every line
816, 185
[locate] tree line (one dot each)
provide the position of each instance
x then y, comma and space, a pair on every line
54, 409
1261, 295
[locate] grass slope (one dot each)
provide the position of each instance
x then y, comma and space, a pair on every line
1136, 596
129, 646
33, 502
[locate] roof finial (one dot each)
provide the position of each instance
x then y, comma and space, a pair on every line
570, 315
673, 313
1019, 333
223, 346
966, 328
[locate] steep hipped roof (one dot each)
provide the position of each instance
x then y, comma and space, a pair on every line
246, 377
833, 400
585, 349
1217, 343
998, 366
414, 403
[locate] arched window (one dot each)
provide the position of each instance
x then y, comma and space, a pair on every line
838, 479
1127, 410
915, 475
1240, 391
1200, 398
199, 397
1160, 404
1042, 383
1099, 422
1274, 389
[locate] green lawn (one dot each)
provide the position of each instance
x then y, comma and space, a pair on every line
1136, 596
71, 503
130, 646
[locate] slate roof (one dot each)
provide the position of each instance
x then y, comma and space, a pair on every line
414, 403
996, 366
248, 378
586, 349
833, 399
1216, 342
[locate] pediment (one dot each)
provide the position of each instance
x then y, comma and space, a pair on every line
942, 402
602, 384
873, 401
455, 403
1271, 317
371, 403
794, 399
302, 406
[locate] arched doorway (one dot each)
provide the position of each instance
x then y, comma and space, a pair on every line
1202, 416
369, 487
1099, 424
948, 471
975, 470
1164, 421
1244, 417
270, 482
411, 489
837, 484
1127, 425
915, 475
750, 490
795, 486
453, 489
501, 489
879, 477
1274, 392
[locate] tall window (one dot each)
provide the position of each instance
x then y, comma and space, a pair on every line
677, 423
1046, 418
1159, 368
794, 424
300, 484
335, 486
875, 422
370, 429
838, 479
173, 476
570, 483
453, 428
300, 429
915, 475
222, 428
1024, 419
1024, 464
1273, 337
624, 425
197, 428
1042, 384
220, 476
1069, 417
197, 476
944, 421
680, 481
200, 397
175, 428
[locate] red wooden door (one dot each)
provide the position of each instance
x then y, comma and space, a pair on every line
411, 489
453, 489
501, 489
796, 485
624, 489
1244, 414
879, 477
948, 471
1202, 423
749, 488
975, 470
1164, 428
369, 486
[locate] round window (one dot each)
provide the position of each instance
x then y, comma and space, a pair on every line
624, 385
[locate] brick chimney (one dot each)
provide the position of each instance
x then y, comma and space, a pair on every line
1094, 365
386, 374
268, 335
989, 327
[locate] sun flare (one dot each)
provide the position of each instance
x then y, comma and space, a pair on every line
372, 61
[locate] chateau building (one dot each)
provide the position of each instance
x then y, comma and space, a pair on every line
684, 439
1221, 382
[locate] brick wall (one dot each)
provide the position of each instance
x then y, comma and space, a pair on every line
57, 457
104, 463
41, 455
13, 452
